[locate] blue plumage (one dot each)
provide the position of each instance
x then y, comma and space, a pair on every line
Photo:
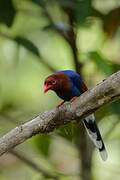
75, 85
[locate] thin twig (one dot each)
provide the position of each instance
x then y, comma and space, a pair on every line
42, 59
24, 158
32, 164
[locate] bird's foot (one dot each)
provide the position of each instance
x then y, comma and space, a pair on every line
59, 105
73, 99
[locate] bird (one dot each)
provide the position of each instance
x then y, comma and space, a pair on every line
68, 85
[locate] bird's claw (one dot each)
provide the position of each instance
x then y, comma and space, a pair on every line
60, 104
73, 99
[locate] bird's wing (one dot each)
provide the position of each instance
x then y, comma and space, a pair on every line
76, 80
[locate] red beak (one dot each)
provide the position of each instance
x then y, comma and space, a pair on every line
46, 88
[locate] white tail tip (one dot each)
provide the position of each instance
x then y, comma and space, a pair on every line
104, 155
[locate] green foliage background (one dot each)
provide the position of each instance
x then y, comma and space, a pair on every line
32, 47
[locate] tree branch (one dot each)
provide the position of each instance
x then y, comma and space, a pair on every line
25, 159
105, 92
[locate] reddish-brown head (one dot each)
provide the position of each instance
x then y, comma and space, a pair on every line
50, 84
56, 82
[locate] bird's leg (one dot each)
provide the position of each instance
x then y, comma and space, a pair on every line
73, 99
60, 104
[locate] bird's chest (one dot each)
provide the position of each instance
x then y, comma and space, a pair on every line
67, 91
69, 94
66, 96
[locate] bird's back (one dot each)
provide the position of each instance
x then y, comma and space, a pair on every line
77, 82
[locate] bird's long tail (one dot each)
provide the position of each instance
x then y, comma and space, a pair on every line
95, 136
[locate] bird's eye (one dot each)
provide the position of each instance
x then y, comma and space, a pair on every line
54, 82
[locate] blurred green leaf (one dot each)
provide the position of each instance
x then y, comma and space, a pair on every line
83, 10
116, 67
116, 107
39, 2
103, 64
7, 12
43, 142
67, 3
67, 131
79, 10
27, 44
